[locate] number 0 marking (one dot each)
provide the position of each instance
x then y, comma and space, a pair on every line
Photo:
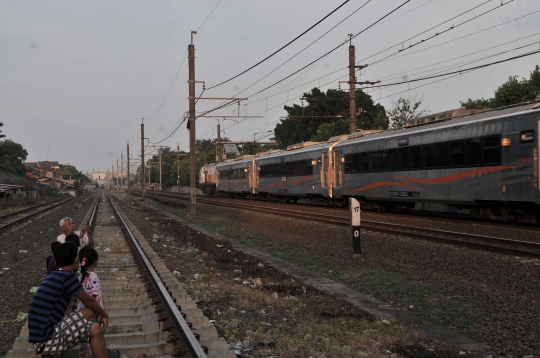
356, 233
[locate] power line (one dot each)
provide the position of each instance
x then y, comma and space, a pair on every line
208, 15
170, 88
296, 38
332, 50
438, 33
443, 43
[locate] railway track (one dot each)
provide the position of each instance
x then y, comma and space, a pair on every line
150, 312
486, 243
23, 214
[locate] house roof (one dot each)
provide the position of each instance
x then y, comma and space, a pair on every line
10, 178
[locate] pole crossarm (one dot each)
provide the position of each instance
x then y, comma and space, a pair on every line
228, 102
296, 117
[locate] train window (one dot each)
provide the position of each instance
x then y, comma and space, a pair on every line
393, 159
364, 163
384, 161
416, 157
457, 153
404, 158
375, 161
443, 155
429, 156
492, 150
526, 136
474, 151
348, 165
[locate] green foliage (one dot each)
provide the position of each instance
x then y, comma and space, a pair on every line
405, 109
1, 135
12, 156
254, 148
511, 92
332, 103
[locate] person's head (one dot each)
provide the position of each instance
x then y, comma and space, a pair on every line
67, 225
66, 255
54, 245
73, 239
88, 260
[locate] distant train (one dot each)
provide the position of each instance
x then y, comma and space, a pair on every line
483, 164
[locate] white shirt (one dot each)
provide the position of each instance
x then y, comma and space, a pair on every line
84, 240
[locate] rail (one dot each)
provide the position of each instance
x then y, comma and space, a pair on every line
190, 342
45, 206
486, 243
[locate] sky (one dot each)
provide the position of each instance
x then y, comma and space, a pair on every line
76, 78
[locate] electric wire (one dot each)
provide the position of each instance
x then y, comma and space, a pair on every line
208, 15
283, 47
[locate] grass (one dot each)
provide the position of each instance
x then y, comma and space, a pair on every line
430, 301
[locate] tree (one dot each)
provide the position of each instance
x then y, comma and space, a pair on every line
2, 135
405, 109
510, 92
12, 156
77, 175
332, 103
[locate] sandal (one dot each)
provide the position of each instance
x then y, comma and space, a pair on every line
114, 353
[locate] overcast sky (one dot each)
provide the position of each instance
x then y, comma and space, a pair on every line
76, 77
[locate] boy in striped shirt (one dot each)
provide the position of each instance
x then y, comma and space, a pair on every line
51, 332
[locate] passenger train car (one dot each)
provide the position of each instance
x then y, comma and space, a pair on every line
484, 163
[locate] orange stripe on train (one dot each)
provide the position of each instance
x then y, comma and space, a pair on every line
297, 181
382, 183
456, 176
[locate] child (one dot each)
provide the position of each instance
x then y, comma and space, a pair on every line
74, 239
48, 329
51, 263
88, 258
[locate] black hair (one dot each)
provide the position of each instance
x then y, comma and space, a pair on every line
87, 255
65, 254
73, 239
54, 245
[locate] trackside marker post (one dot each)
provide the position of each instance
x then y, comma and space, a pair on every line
354, 206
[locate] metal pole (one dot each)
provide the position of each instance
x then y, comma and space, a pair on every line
178, 165
218, 151
142, 159
352, 89
121, 169
128, 165
117, 175
160, 185
192, 157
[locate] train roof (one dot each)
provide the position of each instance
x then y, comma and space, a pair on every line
450, 122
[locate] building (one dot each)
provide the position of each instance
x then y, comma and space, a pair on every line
16, 187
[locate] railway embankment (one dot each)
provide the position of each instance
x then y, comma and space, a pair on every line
251, 301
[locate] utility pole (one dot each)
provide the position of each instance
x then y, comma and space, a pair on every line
117, 175
352, 85
142, 159
121, 169
160, 187
178, 166
192, 157
112, 176
128, 165
218, 146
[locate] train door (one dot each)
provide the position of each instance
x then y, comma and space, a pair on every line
324, 170
337, 168
253, 177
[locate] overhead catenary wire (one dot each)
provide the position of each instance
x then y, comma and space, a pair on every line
443, 43
283, 47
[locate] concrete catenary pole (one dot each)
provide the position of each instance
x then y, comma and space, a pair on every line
352, 88
142, 160
178, 166
218, 146
192, 157
160, 183
127, 165
121, 169
117, 175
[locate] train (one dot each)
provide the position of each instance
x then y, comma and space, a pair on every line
483, 164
